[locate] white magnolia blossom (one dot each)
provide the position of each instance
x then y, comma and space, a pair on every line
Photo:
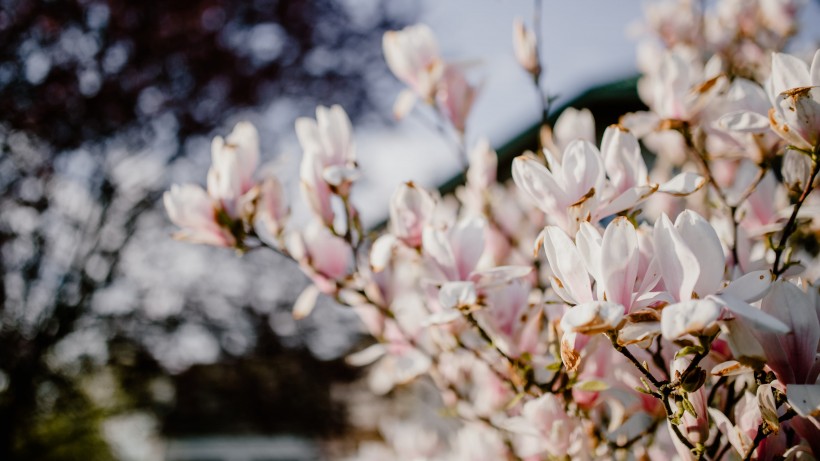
674, 307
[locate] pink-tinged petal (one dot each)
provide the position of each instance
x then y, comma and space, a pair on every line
756, 318
622, 158
683, 184
412, 55
437, 247
788, 72
744, 122
411, 208
805, 399
791, 356
574, 124
245, 140
744, 345
305, 302
567, 265
455, 97
679, 267
751, 287
627, 200
529, 337
314, 188
336, 134
593, 317
328, 254
737, 439
192, 209
539, 184
467, 241
703, 242
589, 242
582, 169
619, 261
689, 317
651, 277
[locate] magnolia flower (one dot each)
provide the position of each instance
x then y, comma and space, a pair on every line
329, 140
525, 47
455, 96
413, 57
792, 356
793, 88
692, 263
192, 209
271, 211
324, 257
795, 98
328, 163
544, 426
454, 254
576, 188
234, 160
411, 209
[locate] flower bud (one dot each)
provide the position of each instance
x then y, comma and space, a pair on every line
796, 169
526, 48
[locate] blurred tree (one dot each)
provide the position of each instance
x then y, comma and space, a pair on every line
101, 102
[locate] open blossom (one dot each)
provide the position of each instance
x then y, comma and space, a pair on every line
329, 162
586, 185
794, 92
192, 209
412, 55
234, 160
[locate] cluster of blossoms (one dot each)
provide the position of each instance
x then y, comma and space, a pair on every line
593, 307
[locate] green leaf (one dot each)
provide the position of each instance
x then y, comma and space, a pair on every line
591, 385
689, 350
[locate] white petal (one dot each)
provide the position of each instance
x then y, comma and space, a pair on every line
756, 317
751, 287
457, 294
566, 263
678, 265
627, 200
305, 302
804, 398
404, 104
702, 239
788, 72
683, 184
619, 261
382, 251
499, 275
593, 317
366, 356
744, 122
692, 316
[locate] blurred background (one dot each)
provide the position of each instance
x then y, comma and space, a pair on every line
118, 342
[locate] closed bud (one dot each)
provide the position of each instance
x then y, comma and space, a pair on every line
526, 49
693, 380
796, 169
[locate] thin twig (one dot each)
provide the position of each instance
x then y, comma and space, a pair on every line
791, 225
